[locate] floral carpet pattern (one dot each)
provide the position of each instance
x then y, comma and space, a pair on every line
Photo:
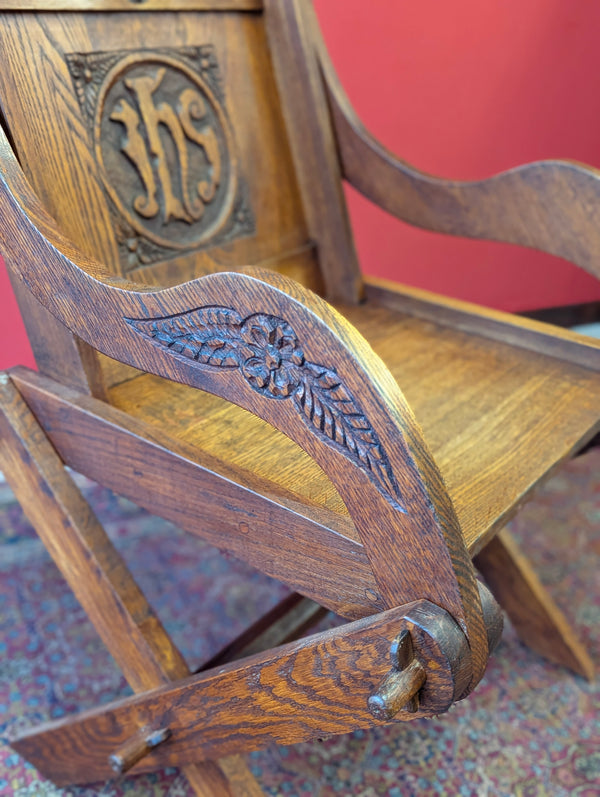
531, 728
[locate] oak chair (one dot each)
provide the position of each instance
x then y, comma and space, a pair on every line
174, 224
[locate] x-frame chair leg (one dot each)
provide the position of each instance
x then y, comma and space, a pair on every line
536, 617
98, 576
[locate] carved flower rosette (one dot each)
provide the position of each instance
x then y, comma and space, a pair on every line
266, 351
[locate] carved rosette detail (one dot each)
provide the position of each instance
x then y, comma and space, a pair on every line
266, 351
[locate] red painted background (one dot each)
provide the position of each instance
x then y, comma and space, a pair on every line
462, 89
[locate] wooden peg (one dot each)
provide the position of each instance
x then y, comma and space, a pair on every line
135, 748
400, 687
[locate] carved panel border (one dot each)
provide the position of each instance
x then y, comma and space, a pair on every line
165, 149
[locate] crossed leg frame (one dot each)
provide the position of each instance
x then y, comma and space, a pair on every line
368, 670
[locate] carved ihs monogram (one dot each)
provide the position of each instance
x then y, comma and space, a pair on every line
165, 149
267, 353
179, 121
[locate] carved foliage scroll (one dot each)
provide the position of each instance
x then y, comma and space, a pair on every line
265, 349
165, 149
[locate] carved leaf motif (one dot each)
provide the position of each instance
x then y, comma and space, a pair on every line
329, 407
210, 335
267, 353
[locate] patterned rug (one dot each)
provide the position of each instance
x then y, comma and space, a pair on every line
531, 728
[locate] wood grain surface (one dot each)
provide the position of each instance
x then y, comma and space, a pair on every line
536, 617
348, 587
313, 551
97, 575
498, 419
423, 534
290, 28
318, 685
48, 127
131, 5
57, 351
360, 458
516, 331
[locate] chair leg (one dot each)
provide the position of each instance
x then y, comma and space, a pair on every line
536, 617
98, 576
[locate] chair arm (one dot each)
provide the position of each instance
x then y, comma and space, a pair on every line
553, 206
272, 347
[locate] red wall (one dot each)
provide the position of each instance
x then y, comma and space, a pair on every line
462, 89
14, 346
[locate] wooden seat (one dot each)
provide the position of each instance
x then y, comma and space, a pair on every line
500, 422
175, 228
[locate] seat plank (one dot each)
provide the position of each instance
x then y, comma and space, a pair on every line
497, 419
224, 430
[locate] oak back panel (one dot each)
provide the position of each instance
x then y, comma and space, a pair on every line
156, 139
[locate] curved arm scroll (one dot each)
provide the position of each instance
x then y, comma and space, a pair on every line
272, 347
553, 206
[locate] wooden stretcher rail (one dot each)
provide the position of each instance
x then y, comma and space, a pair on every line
302, 546
96, 573
317, 685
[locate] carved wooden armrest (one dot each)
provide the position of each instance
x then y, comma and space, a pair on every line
272, 347
553, 206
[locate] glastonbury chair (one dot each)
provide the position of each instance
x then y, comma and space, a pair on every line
174, 224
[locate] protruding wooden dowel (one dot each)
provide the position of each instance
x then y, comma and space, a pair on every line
135, 748
400, 687
396, 691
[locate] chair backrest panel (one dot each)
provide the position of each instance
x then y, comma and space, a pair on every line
156, 139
